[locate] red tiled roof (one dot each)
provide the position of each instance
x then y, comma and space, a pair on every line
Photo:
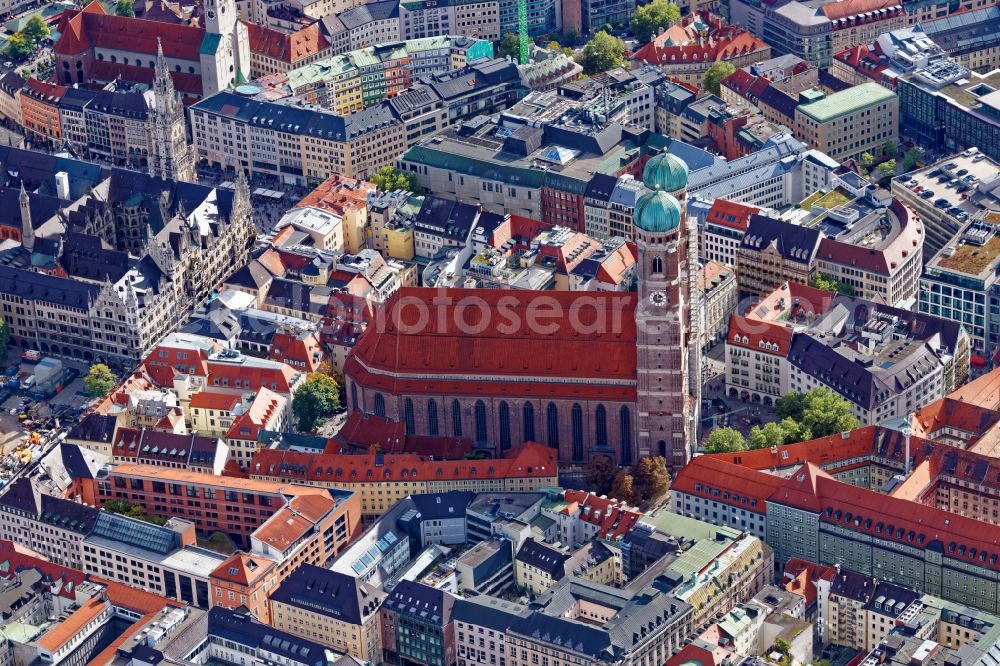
713, 474
104, 71
242, 568
612, 518
711, 274
92, 28
529, 460
337, 194
951, 413
61, 580
208, 399
616, 266
426, 335
730, 214
288, 48
825, 452
756, 335
983, 391
801, 577
726, 44
801, 488
56, 637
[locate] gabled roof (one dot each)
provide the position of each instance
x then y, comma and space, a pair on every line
92, 27
730, 214
289, 48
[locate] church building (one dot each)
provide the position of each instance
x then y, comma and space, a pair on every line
587, 373
97, 47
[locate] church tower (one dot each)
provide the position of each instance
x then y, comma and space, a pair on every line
27, 229
225, 51
666, 315
170, 155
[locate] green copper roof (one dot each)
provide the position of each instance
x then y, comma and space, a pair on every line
846, 101
665, 172
657, 212
210, 43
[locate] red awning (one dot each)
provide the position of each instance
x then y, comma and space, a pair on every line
977, 361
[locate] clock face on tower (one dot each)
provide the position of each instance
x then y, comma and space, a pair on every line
657, 298
210, 13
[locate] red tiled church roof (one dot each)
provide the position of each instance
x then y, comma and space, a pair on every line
92, 27
433, 340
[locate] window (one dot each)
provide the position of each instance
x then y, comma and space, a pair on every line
552, 418
657, 265
354, 395
432, 417
480, 421
408, 416
625, 431
504, 426
601, 426
379, 405
528, 418
456, 419
577, 432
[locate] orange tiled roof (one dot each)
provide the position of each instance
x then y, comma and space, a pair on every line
983, 391
56, 637
750, 334
711, 274
529, 460
714, 474
92, 27
337, 194
209, 399
288, 48
729, 213
243, 569
184, 476
847, 8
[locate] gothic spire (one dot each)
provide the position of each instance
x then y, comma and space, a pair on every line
162, 81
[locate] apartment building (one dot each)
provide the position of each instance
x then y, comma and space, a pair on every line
793, 342
722, 231
773, 252
717, 284
358, 79
467, 18
481, 623
688, 48
236, 506
52, 527
848, 123
524, 469
330, 608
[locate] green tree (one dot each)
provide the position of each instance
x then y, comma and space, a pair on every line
602, 53
650, 478
830, 283
887, 169
890, 148
510, 45
790, 406
715, 76
778, 433
124, 8
910, 159
388, 178
316, 399
601, 474
622, 488
648, 19
867, 159
571, 36
725, 440
99, 380
826, 413
35, 29
19, 46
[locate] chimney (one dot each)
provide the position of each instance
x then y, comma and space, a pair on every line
62, 185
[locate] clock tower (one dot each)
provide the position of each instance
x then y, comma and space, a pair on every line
668, 367
225, 50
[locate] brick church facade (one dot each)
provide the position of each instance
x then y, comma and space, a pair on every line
587, 373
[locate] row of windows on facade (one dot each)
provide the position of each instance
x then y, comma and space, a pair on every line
528, 420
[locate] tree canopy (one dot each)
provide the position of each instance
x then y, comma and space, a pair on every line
389, 178
36, 29
778, 433
316, 399
819, 413
830, 283
19, 46
510, 45
910, 159
650, 478
648, 19
601, 473
124, 8
602, 53
99, 380
716, 74
622, 488
4, 336
725, 440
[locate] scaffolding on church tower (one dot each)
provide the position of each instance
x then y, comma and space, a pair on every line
522, 32
696, 319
